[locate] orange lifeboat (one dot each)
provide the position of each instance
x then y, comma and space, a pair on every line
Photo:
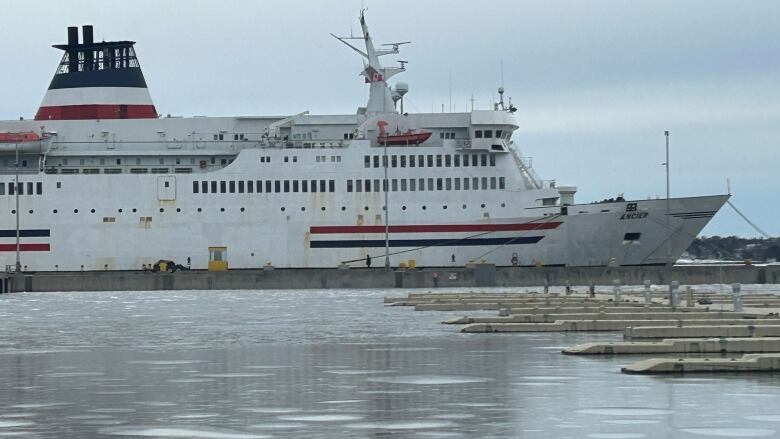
28, 136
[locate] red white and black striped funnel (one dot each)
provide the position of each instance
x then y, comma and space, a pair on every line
97, 81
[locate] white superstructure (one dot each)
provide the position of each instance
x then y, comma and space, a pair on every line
106, 184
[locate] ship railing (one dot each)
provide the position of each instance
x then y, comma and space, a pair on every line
304, 144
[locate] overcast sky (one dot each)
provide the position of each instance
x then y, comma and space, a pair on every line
596, 82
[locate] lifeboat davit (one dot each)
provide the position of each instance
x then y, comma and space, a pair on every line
408, 138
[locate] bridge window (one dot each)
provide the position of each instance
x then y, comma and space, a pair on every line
478, 134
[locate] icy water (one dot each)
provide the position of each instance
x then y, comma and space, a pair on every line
331, 364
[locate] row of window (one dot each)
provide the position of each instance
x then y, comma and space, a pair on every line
262, 186
160, 160
488, 134
430, 160
433, 184
32, 188
221, 136
118, 171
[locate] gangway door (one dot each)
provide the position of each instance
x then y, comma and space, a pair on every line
166, 188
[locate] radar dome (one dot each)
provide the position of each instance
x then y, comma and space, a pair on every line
402, 88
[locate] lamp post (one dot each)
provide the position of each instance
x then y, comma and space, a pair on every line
385, 186
668, 226
16, 193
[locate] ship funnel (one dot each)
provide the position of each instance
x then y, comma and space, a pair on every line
96, 81
567, 194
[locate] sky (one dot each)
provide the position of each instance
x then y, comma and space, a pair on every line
596, 83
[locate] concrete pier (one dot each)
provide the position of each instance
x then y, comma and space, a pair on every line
762, 328
680, 346
621, 325
674, 316
747, 363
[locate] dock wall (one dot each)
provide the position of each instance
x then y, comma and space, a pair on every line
481, 275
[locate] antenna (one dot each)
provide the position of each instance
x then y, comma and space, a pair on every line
450, 91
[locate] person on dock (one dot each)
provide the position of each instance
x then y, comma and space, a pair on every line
368, 261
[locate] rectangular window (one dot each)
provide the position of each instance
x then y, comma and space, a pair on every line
483, 160
484, 183
420, 161
499, 134
29, 188
222, 187
277, 186
395, 185
430, 161
439, 185
384, 161
268, 186
411, 161
313, 185
502, 182
286, 186
304, 185
259, 184
332, 185
295, 185
241, 187
349, 185
2, 188
403, 185
394, 161
456, 160
466, 160
367, 161
322, 186
204, 187
421, 183
448, 184
474, 159
492, 182
39, 188
368, 185
488, 134
492, 160
438, 160
466, 184
232, 186
384, 186
376, 185
475, 183
195, 187
403, 161
213, 187
376, 161
412, 184
631, 236
457, 183
447, 160
11, 188
358, 185
478, 134
430, 184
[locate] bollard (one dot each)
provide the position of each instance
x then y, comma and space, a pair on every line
737, 295
616, 289
648, 292
675, 294
592, 289
689, 297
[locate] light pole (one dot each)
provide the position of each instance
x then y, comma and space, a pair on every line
16, 193
386, 187
668, 226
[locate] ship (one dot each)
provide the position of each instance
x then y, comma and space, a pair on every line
99, 180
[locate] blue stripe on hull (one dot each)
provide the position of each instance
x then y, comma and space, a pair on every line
366, 243
25, 233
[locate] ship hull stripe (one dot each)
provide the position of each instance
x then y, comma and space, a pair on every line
25, 247
367, 243
97, 96
433, 228
25, 233
125, 77
96, 111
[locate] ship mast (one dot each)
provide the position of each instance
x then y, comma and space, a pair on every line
380, 97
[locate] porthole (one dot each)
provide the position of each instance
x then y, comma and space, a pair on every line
444, 207
119, 210
75, 211
30, 211
135, 210
483, 205
343, 208
322, 208
303, 209
178, 209
384, 207
242, 209
503, 204
365, 208
221, 209
161, 210
93, 210
282, 209
200, 210
13, 212
54, 211
464, 206
424, 207
403, 207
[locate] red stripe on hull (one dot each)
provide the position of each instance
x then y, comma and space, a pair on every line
434, 228
25, 247
96, 111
